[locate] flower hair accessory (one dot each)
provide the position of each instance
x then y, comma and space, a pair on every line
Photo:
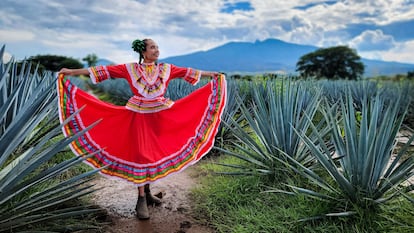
138, 46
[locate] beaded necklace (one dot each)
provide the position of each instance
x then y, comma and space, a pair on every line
149, 71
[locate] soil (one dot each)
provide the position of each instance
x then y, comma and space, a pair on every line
119, 198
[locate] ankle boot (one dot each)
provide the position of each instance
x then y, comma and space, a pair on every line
151, 199
141, 208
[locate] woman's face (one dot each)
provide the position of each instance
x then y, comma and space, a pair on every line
152, 53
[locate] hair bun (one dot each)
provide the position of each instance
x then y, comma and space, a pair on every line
138, 45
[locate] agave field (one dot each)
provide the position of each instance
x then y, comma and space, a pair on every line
39, 188
335, 142
331, 142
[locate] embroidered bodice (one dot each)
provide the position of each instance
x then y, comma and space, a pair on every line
148, 82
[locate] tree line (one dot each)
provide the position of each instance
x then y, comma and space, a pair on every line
55, 62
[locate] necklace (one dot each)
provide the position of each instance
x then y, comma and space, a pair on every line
149, 72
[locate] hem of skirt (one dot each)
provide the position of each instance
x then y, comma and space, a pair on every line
155, 179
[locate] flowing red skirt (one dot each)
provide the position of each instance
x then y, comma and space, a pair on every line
143, 147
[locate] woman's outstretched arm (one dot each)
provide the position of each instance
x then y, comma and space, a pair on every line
208, 73
74, 72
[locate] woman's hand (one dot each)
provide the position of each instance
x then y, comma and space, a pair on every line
209, 73
65, 71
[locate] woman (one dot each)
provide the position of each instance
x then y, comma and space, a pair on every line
152, 136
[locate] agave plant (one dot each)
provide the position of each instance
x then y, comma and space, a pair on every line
277, 109
116, 91
232, 114
30, 193
370, 171
178, 88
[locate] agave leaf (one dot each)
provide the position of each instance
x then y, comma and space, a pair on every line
245, 138
313, 194
25, 122
273, 190
7, 169
309, 174
327, 162
40, 197
27, 101
32, 219
364, 140
276, 108
399, 155
341, 214
251, 159
55, 200
33, 164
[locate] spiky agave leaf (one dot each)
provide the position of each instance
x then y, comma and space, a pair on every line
277, 109
28, 103
368, 173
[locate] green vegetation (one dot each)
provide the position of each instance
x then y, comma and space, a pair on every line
345, 174
339, 62
41, 187
54, 62
90, 59
292, 155
241, 204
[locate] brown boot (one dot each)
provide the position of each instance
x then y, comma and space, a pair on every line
151, 199
142, 209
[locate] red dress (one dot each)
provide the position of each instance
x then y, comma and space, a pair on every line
152, 136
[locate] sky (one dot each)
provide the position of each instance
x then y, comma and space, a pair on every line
377, 29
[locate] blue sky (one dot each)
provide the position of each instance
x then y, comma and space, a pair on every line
377, 29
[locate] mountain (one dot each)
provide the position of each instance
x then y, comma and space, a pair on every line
378, 67
261, 56
270, 55
104, 62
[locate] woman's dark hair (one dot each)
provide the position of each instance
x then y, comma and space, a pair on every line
140, 46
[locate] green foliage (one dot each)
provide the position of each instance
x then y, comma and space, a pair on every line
232, 113
366, 173
339, 62
276, 110
90, 59
410, 75
241, 204
32, 194
359, 172
54, 62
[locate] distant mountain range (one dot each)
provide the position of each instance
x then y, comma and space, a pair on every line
270, 55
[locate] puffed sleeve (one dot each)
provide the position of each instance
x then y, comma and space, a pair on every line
188, 74
101, 73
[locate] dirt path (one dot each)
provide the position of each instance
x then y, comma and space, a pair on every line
173, 216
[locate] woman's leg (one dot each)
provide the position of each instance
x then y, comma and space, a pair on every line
141, 207
151, 199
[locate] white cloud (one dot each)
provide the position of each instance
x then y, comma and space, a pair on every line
373, 40
107, 27
398, 53
13, 35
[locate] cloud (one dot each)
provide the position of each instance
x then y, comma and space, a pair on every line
373, 41
107, 27
15, 35
397, 53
